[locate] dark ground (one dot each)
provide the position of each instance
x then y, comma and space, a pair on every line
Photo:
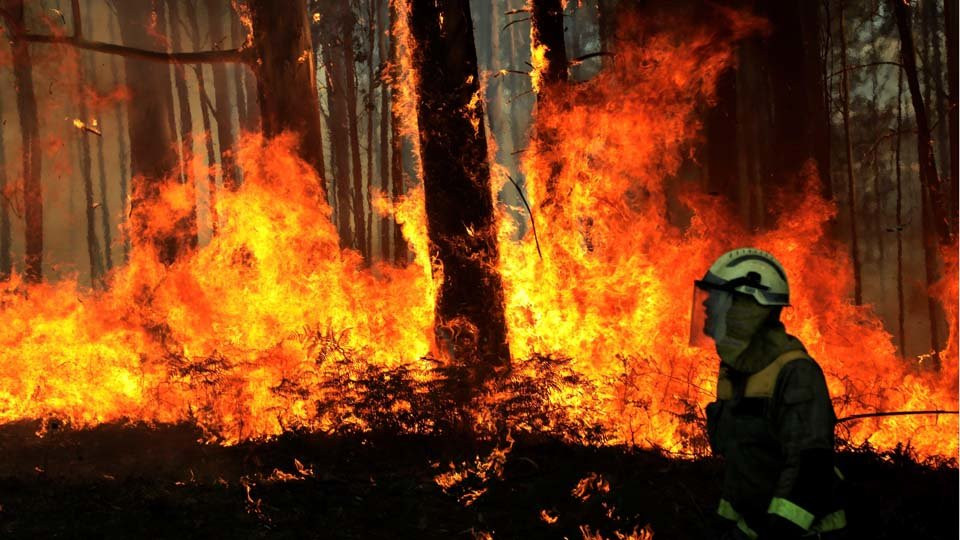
137, 482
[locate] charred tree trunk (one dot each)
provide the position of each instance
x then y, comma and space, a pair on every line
30, 146
932, 208
371, 109
286, 86
186, 117
191, 11
5, 240
396, 147
221, 91
350, 93
151, 140
382, 36
546, 42
607, 24
851, 185
953, 112
243, 121
456, 178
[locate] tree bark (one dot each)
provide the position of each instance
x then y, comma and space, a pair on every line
30, 144
546, 24
151, 141
932, 207
371, 109
223, 113
122, 146
350, 92
851, 185
243, 121
901, 332
721, 138
286, 86
469, 316
86, 174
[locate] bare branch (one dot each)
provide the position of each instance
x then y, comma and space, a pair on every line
77, 19
513, 22
515, 11
870, 64
580, 59
533, 223
199, 57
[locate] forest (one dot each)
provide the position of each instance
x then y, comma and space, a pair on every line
420, 268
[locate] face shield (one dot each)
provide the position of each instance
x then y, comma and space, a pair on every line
708, 315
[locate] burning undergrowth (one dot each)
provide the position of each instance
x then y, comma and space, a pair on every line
272, 328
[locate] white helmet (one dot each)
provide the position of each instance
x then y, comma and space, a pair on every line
752, 272
747, 271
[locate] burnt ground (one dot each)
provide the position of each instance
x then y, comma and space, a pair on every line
137, 482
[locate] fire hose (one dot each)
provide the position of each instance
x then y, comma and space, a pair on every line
891, 413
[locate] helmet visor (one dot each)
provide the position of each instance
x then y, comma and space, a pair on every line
708, 315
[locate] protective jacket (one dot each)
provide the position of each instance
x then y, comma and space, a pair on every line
774, 428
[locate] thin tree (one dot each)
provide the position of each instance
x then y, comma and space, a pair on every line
221, 93
901, 333
86, 172
851, 186
123, 150
382, 36
186, 115
396, 145
951, 16
13, 15
370, 108
932, 206
205, 114
469, 316
348, 24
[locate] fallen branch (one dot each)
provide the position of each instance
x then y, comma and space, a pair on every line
533, 223
891, 413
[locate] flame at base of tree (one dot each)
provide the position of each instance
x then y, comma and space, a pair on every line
271, 326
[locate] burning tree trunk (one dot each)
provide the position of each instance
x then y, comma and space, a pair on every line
286, 88
5, 261
221, 91
30, 144
549, 56
851, 187
456, 178
932, 206
151, 141
396, 145
243, 121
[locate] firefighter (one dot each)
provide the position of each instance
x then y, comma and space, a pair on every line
772, 420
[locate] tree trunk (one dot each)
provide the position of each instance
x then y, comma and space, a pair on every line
328, 30
382, 36
221, 91
30, 147
721, 138
851, 185
606, 24
396, 145
122, 148
151, 142
350, 93
794, 68
461, 227
901, 332
286, 86
86, 174
5, 240
930, 180
243, 121
191, 12
186, 118
953, 112
548, 51
932, 207
371, 109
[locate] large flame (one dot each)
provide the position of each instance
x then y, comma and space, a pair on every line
226, 336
